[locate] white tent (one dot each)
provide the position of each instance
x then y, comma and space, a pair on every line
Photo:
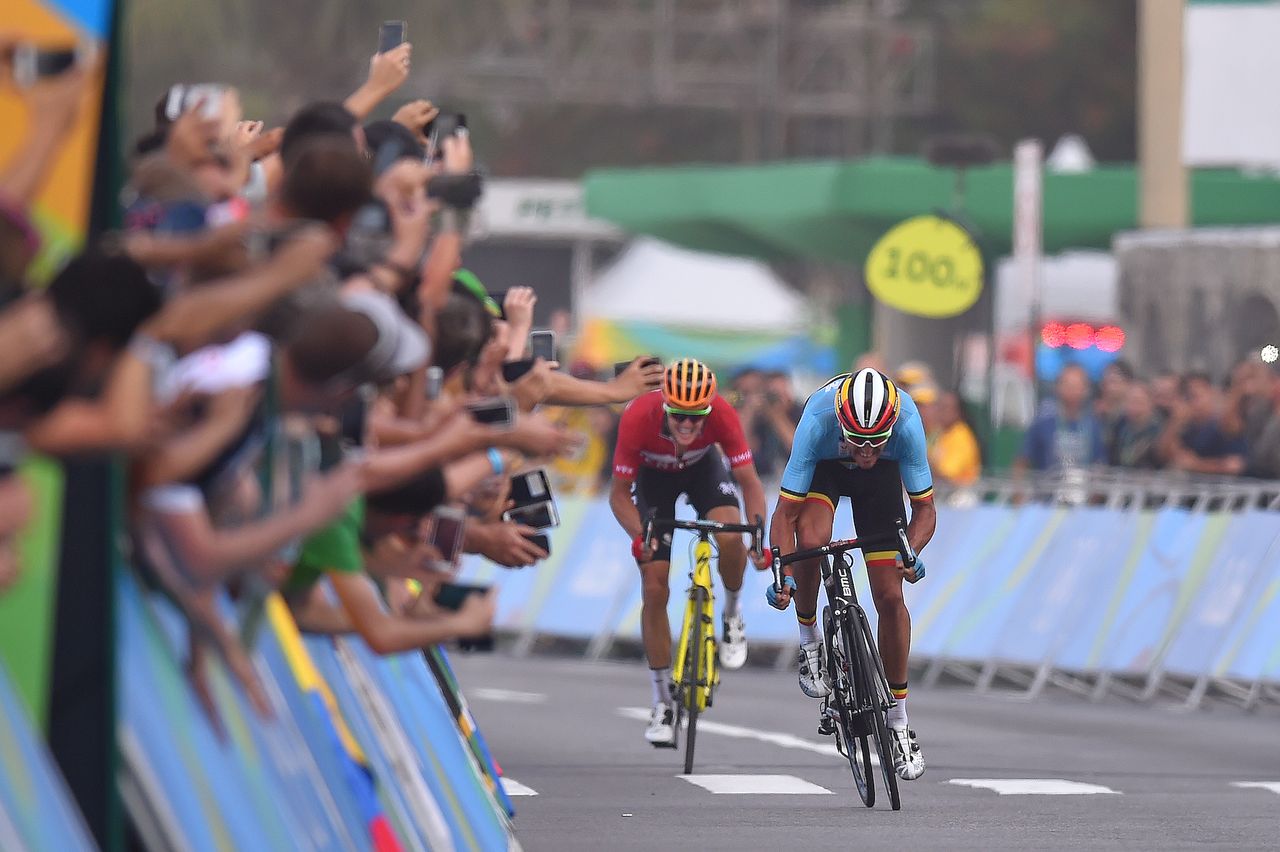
653, 281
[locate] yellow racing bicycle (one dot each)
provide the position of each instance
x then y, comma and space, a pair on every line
696, 670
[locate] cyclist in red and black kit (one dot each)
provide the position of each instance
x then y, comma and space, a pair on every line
683, 439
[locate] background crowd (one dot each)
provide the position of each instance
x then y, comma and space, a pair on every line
282, 345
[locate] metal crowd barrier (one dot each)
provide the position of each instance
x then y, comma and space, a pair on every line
1101, 584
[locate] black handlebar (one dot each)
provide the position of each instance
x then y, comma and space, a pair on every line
898, 540
702, 527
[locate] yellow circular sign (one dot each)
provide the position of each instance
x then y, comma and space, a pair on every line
927, 266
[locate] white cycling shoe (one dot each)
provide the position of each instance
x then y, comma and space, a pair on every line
813, 682
661, 732
733, 648
908, 760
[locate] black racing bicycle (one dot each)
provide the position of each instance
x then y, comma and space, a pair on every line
855, 710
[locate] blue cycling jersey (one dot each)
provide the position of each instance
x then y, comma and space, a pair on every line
819, 438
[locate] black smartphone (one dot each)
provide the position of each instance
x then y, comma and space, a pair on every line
31, 63
444, 533
537, 515
529, 488
452, 595
460, 191
497, 411
542, 344
512, 371
390, 35
541, 540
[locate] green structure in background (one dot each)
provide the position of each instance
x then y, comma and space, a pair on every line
835, 211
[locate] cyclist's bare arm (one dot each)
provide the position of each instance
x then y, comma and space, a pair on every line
752, 492
924, 520
784, 527
624, 508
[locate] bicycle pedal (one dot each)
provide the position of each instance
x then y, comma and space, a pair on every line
826, 727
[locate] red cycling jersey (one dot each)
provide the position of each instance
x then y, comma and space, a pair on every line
645, 441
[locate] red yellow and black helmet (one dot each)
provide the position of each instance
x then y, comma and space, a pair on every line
688, 387
867, 405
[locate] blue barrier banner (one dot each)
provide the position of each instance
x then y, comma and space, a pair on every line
1062, 586
394, 796
220, 788
1177, 555
1120, 561
36, 811
1240, 566
981, 610
1251, 649
957, 569
595, 562
468, 808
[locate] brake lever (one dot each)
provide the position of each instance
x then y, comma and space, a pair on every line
904, 547
775, 565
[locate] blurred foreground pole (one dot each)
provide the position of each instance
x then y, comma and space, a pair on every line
1162, 178
82, 690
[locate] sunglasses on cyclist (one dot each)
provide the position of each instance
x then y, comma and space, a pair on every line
874, 443
681, 416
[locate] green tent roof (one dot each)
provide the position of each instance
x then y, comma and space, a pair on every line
834, 211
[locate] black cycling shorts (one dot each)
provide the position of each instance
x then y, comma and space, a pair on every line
708, 483
875, 495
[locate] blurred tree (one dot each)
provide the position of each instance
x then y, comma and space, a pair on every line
1042, 68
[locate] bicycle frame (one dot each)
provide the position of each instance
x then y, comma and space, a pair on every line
837, 579
698, 629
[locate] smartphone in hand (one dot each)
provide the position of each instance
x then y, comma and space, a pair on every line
498, 411
542, 344
537, 515
514, 370
529, 488
390, 35
435, 382
444, 532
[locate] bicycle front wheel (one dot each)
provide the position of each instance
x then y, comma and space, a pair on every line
842, 707
877, 693
695, 672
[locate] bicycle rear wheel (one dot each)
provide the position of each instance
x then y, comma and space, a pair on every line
694, 673
844, 700
877, 692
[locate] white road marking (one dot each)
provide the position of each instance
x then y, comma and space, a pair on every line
1034, 786
515, 788
510, 696
1273, 786
744, 733
769, 785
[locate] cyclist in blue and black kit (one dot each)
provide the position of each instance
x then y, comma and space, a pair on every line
859, 437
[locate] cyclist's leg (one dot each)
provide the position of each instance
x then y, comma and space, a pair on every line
657, 490
713, 495
876, 495
817, 516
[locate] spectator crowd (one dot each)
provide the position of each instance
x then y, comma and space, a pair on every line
310, 393
1186, 423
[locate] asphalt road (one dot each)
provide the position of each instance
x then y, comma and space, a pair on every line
1156, 777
